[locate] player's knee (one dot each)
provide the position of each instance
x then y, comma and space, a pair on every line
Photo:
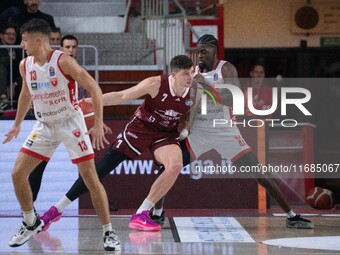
17, 176
91, 181
94, 186
174, 167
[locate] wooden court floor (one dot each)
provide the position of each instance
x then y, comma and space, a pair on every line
210, 232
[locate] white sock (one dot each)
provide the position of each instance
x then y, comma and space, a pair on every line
157, 212
107, 227
29, 217
291, 214
62, 204
146, 206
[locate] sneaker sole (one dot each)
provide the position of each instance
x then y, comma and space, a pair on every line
144, 228
108, 248
36, 231
159, 222
117, 248
300, 225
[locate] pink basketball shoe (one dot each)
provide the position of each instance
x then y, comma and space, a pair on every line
142, 221
52, 215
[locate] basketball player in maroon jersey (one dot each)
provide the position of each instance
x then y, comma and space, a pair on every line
154, 126
222, 140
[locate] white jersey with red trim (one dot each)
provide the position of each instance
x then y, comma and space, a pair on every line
53, 94
204, 136
214, 110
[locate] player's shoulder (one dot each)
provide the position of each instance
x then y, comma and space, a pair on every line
228, 65
156, 79
23, 61
64, 58
150, 85
153, 81
229, 69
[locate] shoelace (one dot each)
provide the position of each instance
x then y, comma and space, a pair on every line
146, 217
49, 214
111, 237
21, 232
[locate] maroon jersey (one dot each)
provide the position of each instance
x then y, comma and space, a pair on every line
164, 111
155, 122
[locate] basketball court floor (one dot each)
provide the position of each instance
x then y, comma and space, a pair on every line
210, 232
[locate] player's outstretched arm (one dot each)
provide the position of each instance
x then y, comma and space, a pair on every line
149, 86
24, 103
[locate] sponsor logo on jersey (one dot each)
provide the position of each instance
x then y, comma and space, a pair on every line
52, 71
51, 113
189, 102
38, 85
54, 81
171, 113
215, 76
120, 135
192, 92
76, 132
34, 86
132, 135
29, 143
165, 123
49, 95
34, 136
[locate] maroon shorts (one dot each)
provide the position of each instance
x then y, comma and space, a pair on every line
137, 137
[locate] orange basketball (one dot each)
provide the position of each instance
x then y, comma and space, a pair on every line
88, 112
320, 198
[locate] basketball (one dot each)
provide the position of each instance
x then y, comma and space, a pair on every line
320, 198
88, 113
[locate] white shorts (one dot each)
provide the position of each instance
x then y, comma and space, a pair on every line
45, 138
229, 144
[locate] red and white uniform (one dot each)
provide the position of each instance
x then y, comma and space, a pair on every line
56, 108
226, 140
155, 122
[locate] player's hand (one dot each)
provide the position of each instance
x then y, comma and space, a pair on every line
199, 78
107, 129
98, 136
13, 133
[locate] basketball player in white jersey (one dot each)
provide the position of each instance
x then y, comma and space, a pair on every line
228, 142
49, 80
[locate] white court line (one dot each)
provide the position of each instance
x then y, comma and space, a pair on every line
318, 242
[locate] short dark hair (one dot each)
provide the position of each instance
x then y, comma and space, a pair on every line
8, 25
208, 39
68, 37
180, 62
36, 26
55, 30
252, 67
